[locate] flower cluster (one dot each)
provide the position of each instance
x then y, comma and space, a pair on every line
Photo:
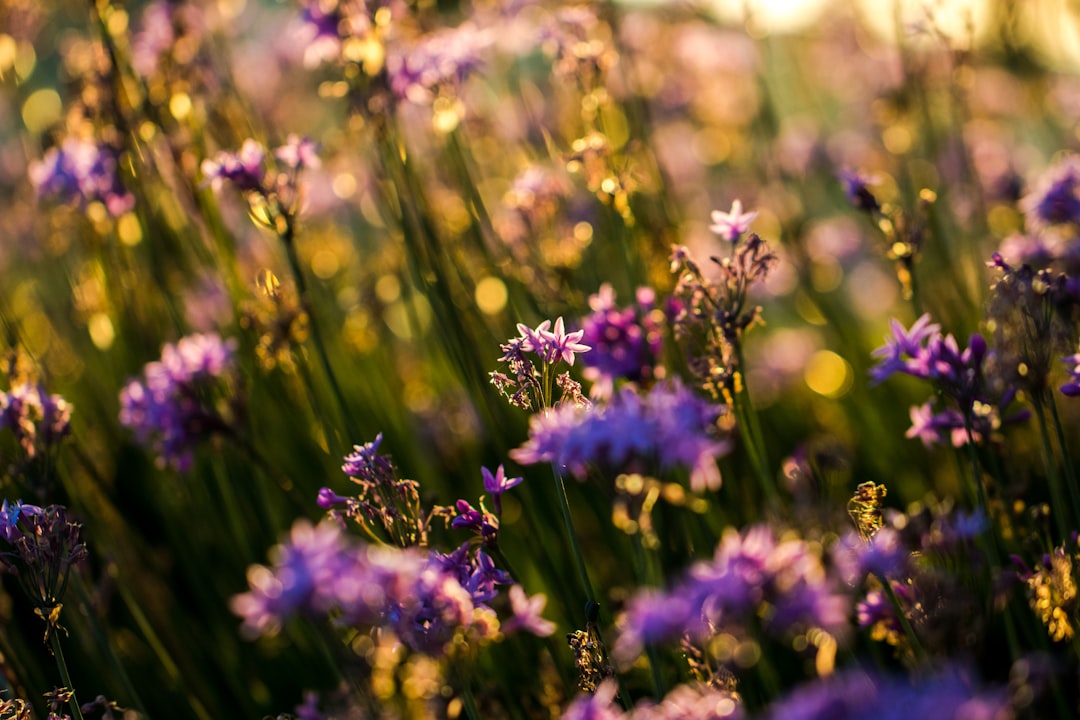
173, 406
714, 313
428, 601
696, 700
441, 60
1033, 313
271, 189
947, 695
1056, 197
82, 172
752, 578
625, 342
384, 501
37, 419
44, 547
668, 426
531, 387
923, 352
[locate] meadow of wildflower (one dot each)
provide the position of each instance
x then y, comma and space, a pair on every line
521, 359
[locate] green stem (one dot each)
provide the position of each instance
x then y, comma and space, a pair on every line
58, 653
469, 702
913, 639
287, 238
1066, 459
1056, 491
575, 550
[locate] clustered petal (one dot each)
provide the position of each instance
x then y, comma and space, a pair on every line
668, 425
171, 407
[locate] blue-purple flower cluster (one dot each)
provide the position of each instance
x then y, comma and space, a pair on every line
626, 342
923, 352
945, 695
81, 172
754, 579
173, 406
689, 700
667, 427
37, 419
429, 601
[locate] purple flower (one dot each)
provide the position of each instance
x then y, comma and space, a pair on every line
81, 172
498, 483
732, 225
752, 575
625, 343
902, 342
527, 614
495, 485
172, 407
669, 425
45, 545
1055, 199
246, 169
302, 578
1072, 388
298, 153
37, 419
442, 59
11, 515
946, 695
560, 343
857, 191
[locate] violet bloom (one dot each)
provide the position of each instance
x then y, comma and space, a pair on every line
1056, 197
626, 343
752, 578
855, 694
496, 484
442, 59
302, 578
37, 419
526, 615
384, 502
857, 192
669, 426
732, 225
1072, 388
45, 546
172, 407
81, 172
246, 169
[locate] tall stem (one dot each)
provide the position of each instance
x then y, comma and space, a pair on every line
287, 238
58, 653
1057, 492
575, 550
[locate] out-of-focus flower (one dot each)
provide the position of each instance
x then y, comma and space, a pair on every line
1056, 197
173, 407
669, 425
37, 419
526, 615
752, 578
321, 572
1033, 313
947, 695
440, 60
81, 172
1072, 388
857, 191
625, 343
